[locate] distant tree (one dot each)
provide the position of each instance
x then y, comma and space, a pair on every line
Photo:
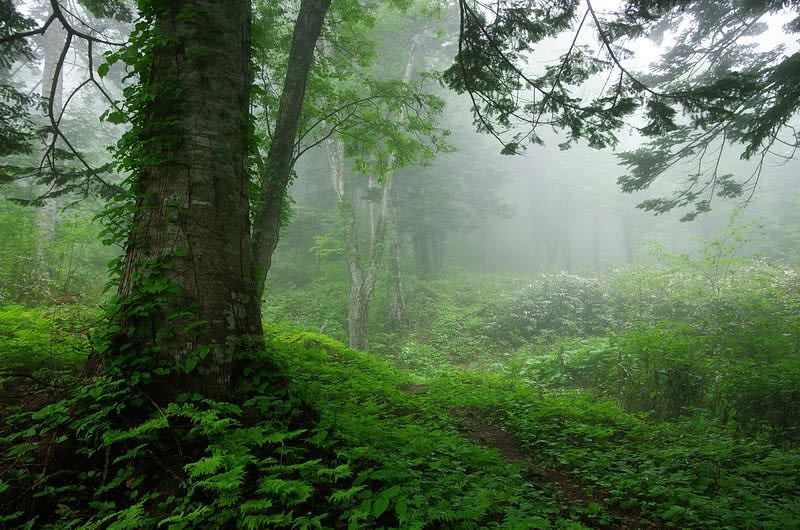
392, 133
457, 194
16, 126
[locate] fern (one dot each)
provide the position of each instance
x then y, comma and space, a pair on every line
290, 492
138, 432
205, 466
129, 518
342, 496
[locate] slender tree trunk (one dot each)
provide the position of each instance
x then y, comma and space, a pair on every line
358, 303
358, 310
371, 216
276, 174
396, 314
52, 86
362, 279
188, 285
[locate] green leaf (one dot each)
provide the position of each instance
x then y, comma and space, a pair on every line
190, 364
102, 70
381, 503
116, 117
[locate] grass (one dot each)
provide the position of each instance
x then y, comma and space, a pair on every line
565, 458
348, 440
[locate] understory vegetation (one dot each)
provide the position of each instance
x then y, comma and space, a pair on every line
653, 397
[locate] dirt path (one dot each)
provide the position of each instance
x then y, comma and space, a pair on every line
481, 428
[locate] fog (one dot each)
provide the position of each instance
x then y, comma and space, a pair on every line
551, 210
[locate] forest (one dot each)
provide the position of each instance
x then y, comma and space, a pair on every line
414, 264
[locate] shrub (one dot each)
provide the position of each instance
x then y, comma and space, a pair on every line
558, 306
759, 396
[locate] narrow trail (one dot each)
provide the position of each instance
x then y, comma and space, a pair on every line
480, 428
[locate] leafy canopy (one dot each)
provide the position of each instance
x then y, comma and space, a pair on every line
714, 87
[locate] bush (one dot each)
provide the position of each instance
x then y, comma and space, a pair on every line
322, 304
421, 359
68, 265
654, 370
558, 306
667, 369
761, 396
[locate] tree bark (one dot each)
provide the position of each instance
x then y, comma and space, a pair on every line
187, 289
362, 279
396, 314
275, 179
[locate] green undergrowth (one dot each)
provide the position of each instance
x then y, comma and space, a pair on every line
689, 473
55, 336
342, 439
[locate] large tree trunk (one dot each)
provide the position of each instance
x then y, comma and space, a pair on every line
277, 171
187, 289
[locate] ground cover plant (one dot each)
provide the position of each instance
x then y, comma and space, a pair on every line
696, 376
362, 444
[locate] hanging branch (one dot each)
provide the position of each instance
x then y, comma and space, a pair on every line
48, 160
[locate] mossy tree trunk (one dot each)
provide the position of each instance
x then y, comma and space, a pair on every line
188, 287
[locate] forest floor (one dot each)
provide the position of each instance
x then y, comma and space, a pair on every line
353, 441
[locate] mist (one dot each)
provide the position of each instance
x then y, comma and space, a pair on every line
408, 264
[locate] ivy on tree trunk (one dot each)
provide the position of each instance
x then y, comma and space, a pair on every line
187, 295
